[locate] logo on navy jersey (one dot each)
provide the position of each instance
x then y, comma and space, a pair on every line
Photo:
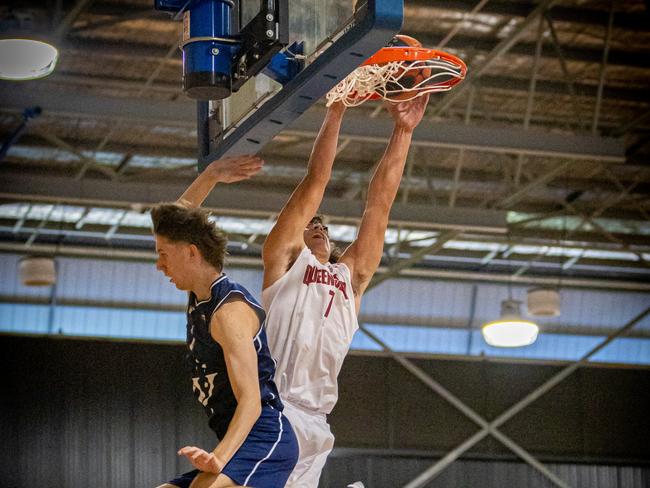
203, 387
324, 277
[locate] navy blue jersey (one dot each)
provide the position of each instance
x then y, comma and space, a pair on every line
205, 357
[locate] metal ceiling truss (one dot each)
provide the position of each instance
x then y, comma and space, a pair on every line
115, 233
515, 146
611, 201
64, 27
522, 9
235, 202
355, 126
395, 269
501, 48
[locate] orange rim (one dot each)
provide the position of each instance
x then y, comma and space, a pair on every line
408, 53
393, 54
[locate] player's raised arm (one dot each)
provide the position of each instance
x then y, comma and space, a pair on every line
364, 255
226, 170
286, 238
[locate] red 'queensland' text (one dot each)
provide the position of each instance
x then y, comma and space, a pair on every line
324, 277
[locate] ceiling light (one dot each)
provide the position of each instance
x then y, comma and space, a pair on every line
510, 330
26, 59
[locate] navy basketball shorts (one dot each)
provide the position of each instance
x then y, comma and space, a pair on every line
265, 459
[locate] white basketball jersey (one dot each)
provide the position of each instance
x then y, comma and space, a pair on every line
310, 322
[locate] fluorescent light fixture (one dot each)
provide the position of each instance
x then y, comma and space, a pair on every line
510, 330
26, 59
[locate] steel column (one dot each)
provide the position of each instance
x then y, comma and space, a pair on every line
603, 69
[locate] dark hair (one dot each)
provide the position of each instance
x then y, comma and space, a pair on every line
191, 225
335, 251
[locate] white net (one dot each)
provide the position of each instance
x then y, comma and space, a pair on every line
396, 81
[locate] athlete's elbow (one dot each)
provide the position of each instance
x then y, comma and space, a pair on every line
251, 404
257, 410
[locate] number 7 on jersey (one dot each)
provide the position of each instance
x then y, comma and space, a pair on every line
329, 305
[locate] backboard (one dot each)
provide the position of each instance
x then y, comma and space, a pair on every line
311, 22
335, 38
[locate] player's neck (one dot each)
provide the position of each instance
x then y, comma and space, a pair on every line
320, 253
323, 258
202, 288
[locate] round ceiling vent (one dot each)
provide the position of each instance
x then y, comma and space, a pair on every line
37, 271
543, 302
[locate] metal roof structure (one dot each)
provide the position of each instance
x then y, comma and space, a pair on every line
535, 166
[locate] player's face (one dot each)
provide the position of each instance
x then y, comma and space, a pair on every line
174, 261
317, 238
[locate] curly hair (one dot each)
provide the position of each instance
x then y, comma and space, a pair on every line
191, 226
335, 252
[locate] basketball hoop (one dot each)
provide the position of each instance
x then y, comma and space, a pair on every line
400, 72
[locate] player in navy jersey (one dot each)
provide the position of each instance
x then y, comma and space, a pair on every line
232, 369
312, 301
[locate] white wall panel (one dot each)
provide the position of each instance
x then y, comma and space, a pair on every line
410, 315
10, 283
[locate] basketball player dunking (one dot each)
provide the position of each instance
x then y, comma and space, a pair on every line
312, 302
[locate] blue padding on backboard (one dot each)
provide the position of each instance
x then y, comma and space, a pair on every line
361, 39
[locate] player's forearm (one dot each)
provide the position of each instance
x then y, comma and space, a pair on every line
200, 188
324, 151
308, 195
388, 175
246, 414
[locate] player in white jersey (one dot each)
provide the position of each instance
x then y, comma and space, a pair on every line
312, 303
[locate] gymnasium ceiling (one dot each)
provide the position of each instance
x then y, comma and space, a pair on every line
535, 170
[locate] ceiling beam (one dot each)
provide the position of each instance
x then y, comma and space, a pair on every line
618, 56
580, 54
355, 126
547, 87
637, 21
282, 174
86, 252
559, 88
234, 200
64, 27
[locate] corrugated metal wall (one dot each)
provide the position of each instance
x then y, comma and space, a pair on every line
76, 414
389, 472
